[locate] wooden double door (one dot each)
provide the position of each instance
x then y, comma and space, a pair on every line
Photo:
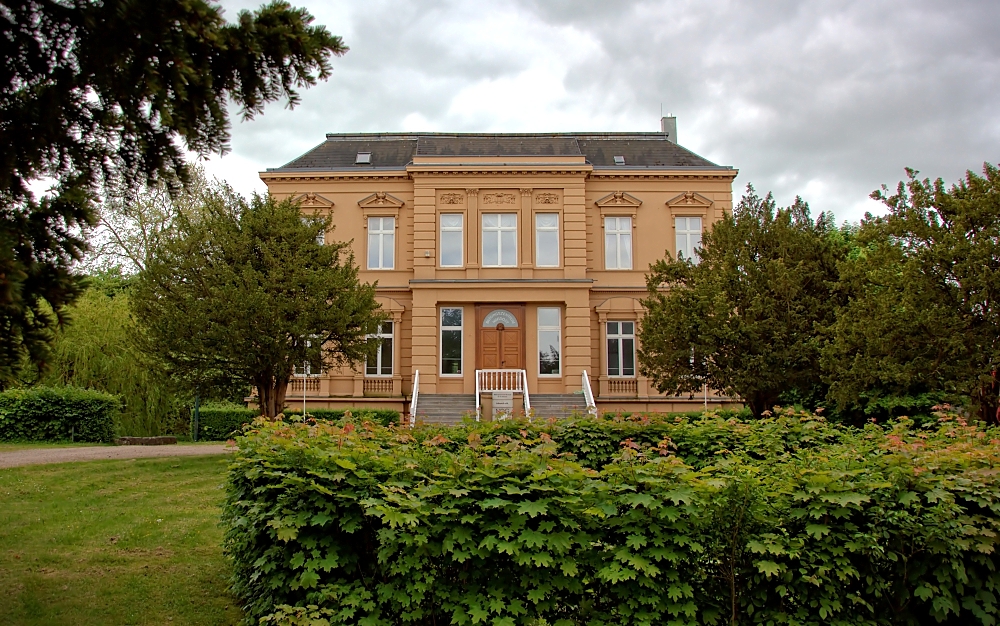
500, 336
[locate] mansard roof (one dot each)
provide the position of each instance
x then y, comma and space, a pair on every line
394, 151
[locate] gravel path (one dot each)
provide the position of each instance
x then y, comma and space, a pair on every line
39, 456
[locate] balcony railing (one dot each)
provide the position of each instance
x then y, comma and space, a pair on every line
311, 385
378, 387
623, 387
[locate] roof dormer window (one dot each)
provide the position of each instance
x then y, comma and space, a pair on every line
619, 160
363, 158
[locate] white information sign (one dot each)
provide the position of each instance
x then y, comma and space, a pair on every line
503, 403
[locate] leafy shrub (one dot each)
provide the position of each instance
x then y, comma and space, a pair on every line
787, 520
58, 414
385, 417
218, 422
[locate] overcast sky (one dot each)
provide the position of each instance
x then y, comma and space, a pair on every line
826, 100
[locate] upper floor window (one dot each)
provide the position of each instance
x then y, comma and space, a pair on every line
381, 364
549, 341
452, 240
618, 243
381, 242
499, 239
688, 237
546, 240
621, 349
451, 341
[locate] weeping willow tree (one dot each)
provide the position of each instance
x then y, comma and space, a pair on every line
98, 351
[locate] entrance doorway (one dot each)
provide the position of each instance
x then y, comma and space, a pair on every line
500, 336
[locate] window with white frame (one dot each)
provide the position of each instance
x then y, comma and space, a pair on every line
688, 237
546, 240
451, 341
381, 363
621, 349
549, 341
381, 242
452, 240
499, 239
618, 243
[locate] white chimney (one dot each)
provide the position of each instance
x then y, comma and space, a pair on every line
668, 126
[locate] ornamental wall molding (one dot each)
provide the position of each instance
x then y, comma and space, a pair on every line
380, 199
499, 198
452, 198
547, 198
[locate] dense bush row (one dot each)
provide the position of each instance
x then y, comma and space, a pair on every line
789, 520
218, 422
57, 414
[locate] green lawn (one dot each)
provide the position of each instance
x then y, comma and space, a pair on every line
114, 542
32, 445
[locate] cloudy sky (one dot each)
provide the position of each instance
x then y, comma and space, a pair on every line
823, 99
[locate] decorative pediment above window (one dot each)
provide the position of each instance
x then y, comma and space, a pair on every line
313, 201
618, 199
618, 203
690, 200
380, 203
380, 199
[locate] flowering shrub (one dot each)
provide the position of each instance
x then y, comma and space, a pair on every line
787, 520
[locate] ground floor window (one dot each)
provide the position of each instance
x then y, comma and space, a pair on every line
451, 341
381, 364
549, 341
621, 349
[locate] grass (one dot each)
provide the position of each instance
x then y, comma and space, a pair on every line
114, 542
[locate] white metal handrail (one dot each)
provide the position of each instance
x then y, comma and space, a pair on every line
501, 380
413, 398
588, 395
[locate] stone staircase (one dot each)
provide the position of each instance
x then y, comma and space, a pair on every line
558, 405
443, 408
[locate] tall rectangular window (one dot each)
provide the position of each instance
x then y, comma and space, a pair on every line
499, 239
688, 237
452, 240
549, 341
618, 243
451, 341
546, 240
621, 349
381, 242
381, 365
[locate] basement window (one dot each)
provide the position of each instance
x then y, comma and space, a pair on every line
363, 158
619, 160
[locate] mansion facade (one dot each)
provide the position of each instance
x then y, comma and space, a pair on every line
511, 265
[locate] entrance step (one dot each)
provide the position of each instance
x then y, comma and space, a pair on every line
558, 405
445, 408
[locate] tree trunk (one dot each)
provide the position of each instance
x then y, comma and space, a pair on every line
271, 394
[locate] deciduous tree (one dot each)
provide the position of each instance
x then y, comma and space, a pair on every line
247, 290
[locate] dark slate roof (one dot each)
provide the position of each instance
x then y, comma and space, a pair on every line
395, 151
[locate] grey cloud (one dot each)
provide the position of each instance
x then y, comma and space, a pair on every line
843, 94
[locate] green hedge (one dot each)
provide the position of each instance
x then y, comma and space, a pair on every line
58, 414
789, 520
223, 421
385, 417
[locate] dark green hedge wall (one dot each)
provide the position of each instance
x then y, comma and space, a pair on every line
57, 414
